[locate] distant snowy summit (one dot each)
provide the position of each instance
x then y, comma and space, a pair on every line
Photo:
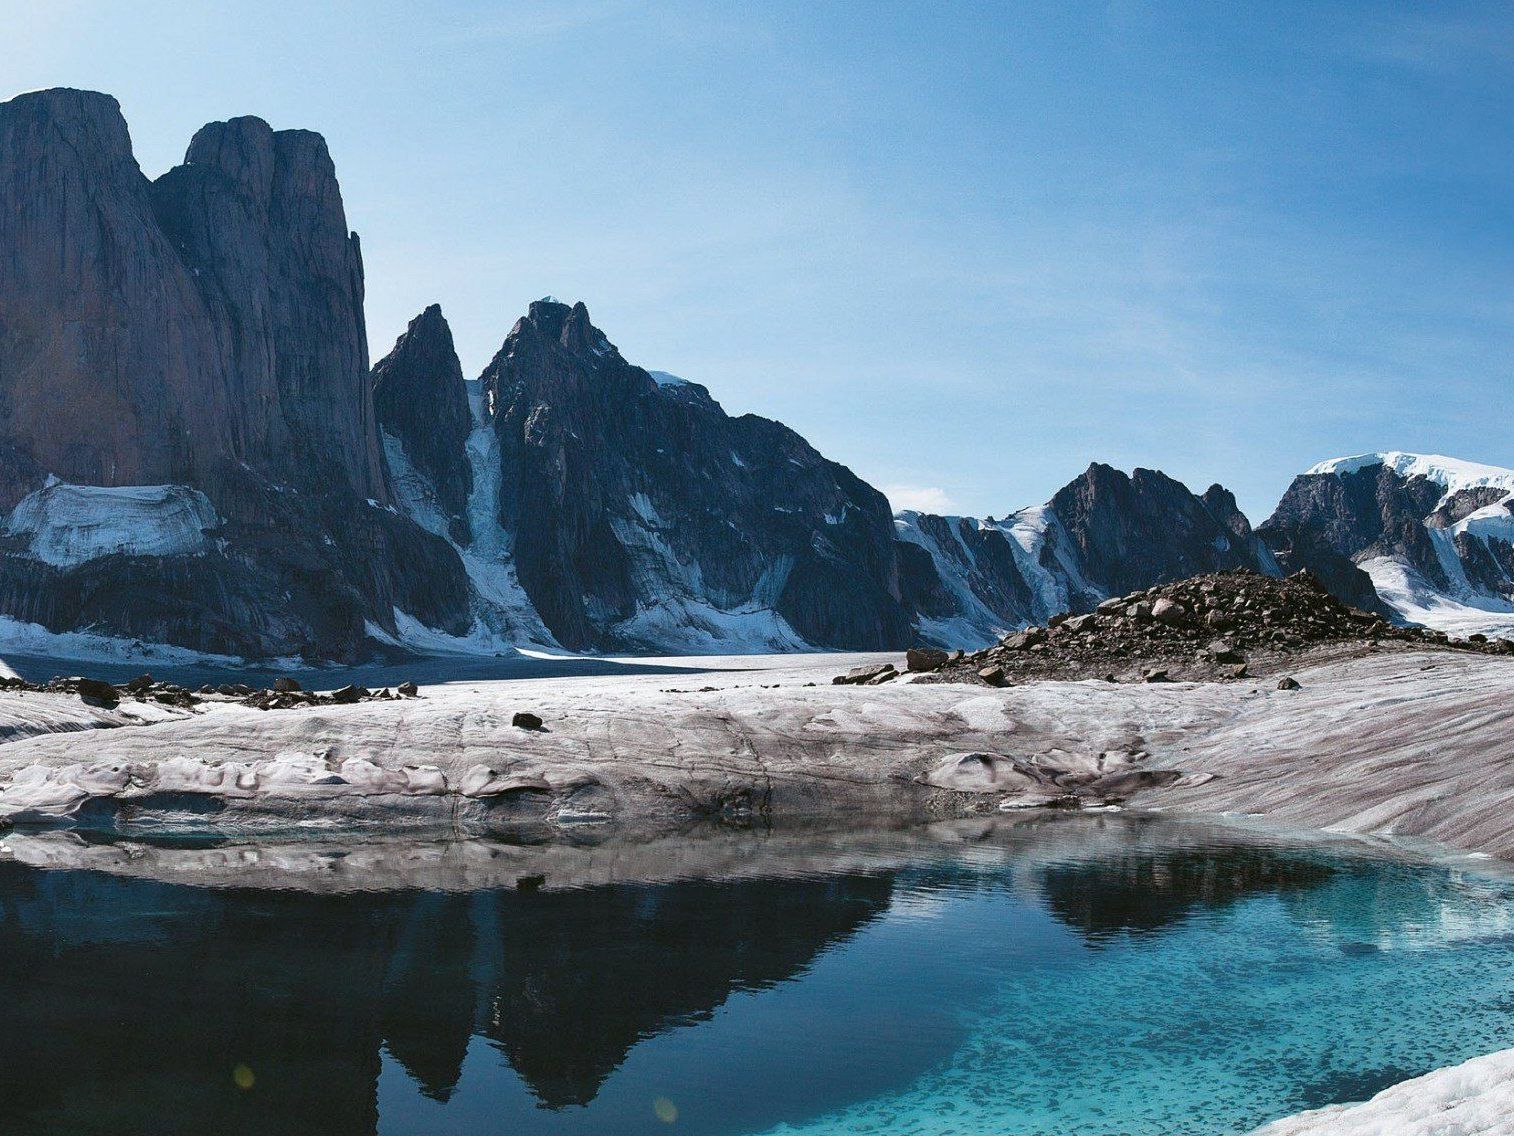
1435, 535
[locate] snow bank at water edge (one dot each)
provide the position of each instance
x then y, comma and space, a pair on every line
1472, 1099
20, 638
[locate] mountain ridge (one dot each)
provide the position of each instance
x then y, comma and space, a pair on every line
195, 451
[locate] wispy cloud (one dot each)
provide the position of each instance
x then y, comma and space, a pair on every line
926, 498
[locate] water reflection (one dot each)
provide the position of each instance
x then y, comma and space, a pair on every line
776, 992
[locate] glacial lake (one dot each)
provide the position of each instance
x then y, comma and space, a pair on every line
1108, 976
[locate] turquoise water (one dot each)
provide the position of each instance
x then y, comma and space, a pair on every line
1079, 978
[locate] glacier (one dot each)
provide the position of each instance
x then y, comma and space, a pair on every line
66, 525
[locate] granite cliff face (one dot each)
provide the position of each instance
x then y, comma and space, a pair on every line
202, 332
1104, 534
1430, 539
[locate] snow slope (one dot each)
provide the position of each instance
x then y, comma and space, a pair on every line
1453, 474
503, 615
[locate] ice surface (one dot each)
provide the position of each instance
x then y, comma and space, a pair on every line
69, 525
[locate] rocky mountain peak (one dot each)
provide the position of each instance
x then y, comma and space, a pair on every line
1222, 506
88, 122
241, 149
202, 332
422, 403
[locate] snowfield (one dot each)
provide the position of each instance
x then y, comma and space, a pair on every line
1452, 474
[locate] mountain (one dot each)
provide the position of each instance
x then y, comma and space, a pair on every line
630, 510
1432, 537
193, 451
189, 449
1104, 534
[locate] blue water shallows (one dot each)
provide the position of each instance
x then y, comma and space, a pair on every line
1078, 978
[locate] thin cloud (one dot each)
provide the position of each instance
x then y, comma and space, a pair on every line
925, 498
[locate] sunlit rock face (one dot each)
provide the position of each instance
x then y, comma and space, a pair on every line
643, 515
204, 331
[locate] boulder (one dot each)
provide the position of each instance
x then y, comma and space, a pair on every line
1024, 640
1169, 612
1288, 682
408, 689
994, 676
286, 685
96, 692
859, 675
921, 659
525, 720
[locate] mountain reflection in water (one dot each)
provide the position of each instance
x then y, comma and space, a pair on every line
135, 1005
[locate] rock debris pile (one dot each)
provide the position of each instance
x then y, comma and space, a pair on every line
1216, 627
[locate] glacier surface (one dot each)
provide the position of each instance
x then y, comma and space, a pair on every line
67, 525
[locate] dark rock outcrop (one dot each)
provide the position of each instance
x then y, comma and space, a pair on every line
1128, 532
643, 515
202, 331
422, 402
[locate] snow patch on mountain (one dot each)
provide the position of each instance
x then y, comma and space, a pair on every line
1453, 474
974, 624
1034, 530
503, 615
67, 525
1404, 589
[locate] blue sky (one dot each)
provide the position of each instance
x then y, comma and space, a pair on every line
964, 248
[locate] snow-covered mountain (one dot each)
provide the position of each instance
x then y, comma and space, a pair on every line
1104, 534
1435, 535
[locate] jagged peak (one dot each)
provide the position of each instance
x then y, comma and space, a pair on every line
429, 333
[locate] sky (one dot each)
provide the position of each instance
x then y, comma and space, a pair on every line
964, 248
